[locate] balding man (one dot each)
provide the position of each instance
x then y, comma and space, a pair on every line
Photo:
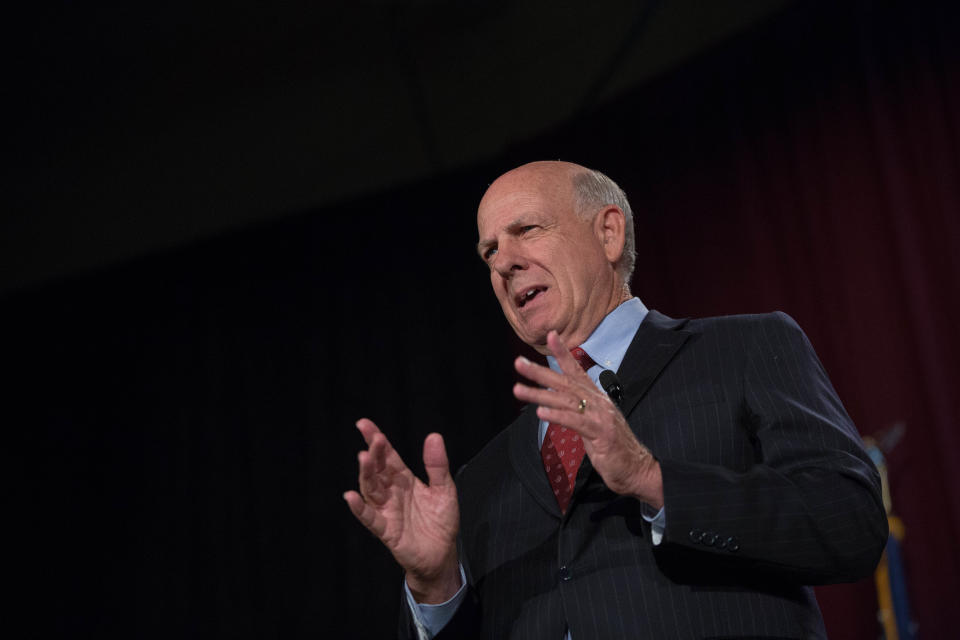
721, 473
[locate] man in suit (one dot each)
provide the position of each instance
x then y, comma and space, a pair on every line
721, 473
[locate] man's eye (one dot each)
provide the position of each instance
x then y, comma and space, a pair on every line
528, 227
489, 253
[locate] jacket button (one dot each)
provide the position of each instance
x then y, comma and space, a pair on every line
733, 544
696, 535
709, 538
565, 574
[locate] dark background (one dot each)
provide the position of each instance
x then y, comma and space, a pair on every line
231, 231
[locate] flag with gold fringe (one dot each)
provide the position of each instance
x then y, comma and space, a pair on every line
894, 604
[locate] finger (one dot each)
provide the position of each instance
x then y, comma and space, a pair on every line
569, 419
544, 376
370, 486
568, 364
376, 474
355, 502
378, 453
435, 461
367, 515
367, 429
545, 397
370, 433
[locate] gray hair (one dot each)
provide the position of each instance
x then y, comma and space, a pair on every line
593, 190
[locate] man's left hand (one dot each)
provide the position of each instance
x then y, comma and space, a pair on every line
626, 466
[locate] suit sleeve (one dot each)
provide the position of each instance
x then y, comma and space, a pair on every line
809, 509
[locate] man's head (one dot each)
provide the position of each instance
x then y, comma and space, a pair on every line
558, 239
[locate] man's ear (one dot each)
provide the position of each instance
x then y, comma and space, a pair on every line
610, 225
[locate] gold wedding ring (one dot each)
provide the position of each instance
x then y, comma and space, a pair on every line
582, 405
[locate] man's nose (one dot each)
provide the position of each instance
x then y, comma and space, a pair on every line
509, 259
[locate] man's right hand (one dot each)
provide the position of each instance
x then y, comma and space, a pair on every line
417, 522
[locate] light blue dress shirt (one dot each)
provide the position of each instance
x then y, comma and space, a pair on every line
606, 346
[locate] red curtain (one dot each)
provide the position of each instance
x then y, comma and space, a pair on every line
814, 167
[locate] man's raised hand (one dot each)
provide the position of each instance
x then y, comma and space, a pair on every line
418, 523
626, 466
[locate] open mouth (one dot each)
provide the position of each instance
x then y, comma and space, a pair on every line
527, 295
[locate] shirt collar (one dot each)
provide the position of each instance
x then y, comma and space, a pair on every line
610, 340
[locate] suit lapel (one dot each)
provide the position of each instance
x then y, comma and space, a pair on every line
526, 461
655, 344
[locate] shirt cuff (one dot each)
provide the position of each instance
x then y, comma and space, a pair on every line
430, 619
658, 523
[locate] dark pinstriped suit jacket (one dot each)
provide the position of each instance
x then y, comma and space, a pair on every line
766, 487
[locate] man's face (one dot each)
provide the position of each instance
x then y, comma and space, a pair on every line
547, 266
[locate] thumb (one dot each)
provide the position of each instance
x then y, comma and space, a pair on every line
435, 461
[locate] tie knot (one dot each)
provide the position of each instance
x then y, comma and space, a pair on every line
582, 358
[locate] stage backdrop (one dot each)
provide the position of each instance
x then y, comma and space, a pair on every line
181, 426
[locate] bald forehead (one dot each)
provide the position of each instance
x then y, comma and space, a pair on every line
534, 193
550, 181
553, 177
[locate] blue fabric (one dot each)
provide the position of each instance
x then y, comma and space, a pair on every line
898, 589
431, 618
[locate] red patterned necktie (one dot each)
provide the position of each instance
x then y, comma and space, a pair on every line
562, 450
